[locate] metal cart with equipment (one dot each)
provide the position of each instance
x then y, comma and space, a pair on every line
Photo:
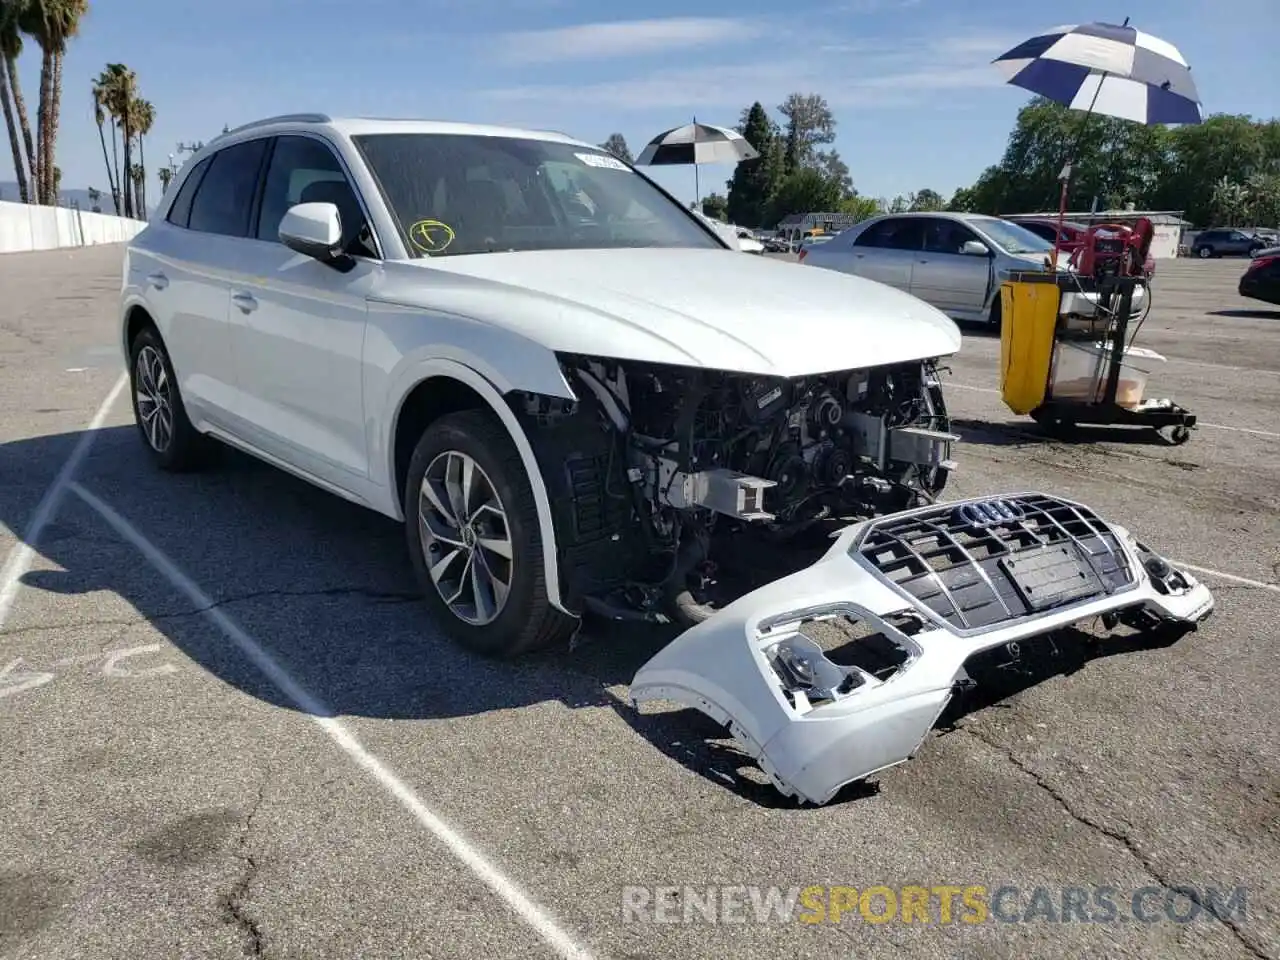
1065, 358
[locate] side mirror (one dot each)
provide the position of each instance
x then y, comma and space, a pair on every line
974, 248
314, 230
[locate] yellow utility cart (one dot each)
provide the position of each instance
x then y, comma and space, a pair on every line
1064, 360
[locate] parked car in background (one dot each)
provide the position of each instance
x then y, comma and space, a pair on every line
1072, 238
1072, 233
1223, 242
814, 240
1261, 281
953, 261
748, 243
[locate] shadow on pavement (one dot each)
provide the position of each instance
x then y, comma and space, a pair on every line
325, 588
1028, 433
1247, 314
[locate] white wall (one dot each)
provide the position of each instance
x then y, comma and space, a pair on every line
1164, 242
28, 226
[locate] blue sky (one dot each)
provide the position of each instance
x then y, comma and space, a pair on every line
916, 101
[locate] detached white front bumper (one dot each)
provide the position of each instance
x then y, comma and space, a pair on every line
919, 593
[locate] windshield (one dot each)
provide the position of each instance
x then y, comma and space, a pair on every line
1012, 237
457, 194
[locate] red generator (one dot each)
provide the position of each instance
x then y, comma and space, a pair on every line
1115, 250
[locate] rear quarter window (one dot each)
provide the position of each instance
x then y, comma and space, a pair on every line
180, 212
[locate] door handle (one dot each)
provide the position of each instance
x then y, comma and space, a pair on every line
245, 301
157, 280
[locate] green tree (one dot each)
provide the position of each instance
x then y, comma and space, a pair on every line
962, 201
716, 207
810, 124
860, 206
835, 169
805, 191
1264, 199
1118, 162
926, 200
617, 145
755, 182
1230, 201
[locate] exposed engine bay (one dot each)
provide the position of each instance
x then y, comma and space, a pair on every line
662, 476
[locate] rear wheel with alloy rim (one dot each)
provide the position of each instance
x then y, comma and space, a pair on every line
474, 538
158, 408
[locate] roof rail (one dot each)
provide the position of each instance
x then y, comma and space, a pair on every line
283, 118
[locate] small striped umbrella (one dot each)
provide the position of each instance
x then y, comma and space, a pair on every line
1112, 69
696, 143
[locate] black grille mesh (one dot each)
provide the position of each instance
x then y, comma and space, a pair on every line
962, 570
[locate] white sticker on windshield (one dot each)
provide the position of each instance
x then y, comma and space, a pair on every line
602, 160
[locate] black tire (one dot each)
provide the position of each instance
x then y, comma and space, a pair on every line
996, 317
180, 447
1205, 253
526, 620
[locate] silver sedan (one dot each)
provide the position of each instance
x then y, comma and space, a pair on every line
954, 261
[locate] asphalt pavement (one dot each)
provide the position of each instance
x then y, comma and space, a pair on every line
229, 729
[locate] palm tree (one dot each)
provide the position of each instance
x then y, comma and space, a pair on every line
118, 83
10, 48
100, 118
19, 166
144, 116
137, 175
51, 23
166, 178
94, 196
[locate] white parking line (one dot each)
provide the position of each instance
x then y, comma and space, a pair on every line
20, 558
324, 717
1215, 426
1245, 581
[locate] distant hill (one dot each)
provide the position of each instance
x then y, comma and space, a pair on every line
9, 192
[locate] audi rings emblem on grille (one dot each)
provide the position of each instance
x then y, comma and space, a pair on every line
987, 513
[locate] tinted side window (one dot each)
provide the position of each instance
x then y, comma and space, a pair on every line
1044, 230
904, 234
876, 235
304, 170
225, 197
947, 236
180, 212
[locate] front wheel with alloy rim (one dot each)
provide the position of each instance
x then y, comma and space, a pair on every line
158, 409
474, 538
1206, 253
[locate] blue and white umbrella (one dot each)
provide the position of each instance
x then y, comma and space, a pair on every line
1114, 70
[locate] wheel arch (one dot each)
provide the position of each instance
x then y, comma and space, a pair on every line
134, 318
445, 386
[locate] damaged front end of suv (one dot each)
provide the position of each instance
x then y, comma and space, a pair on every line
677, 489
838, 671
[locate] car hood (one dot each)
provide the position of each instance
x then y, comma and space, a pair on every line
709, 308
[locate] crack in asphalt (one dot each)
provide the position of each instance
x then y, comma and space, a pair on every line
234, 911
1121, 837
379, 596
